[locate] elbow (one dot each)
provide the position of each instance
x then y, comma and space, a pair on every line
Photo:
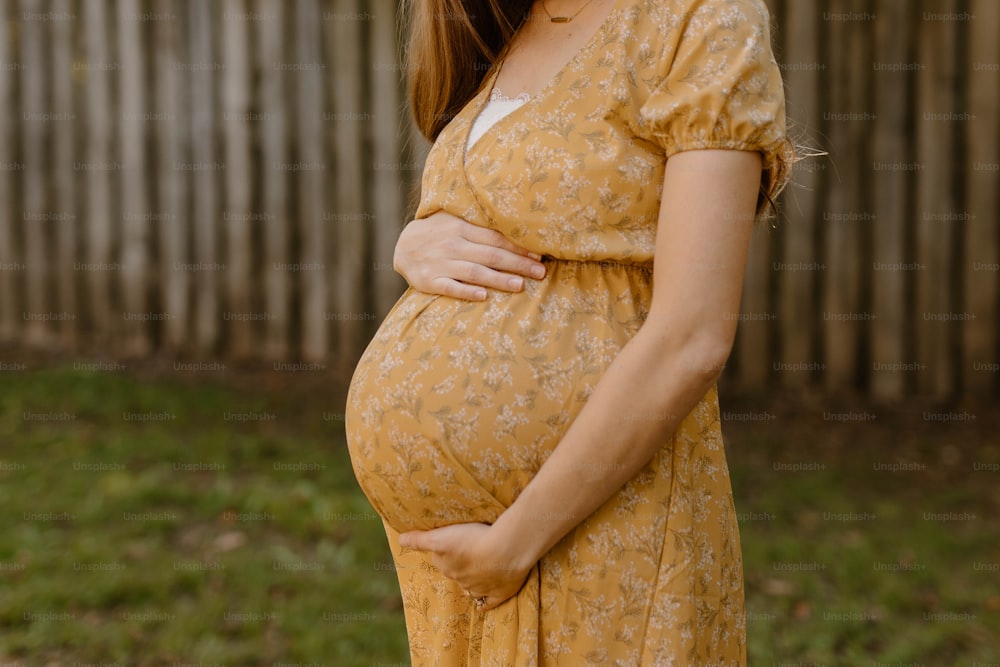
695, 347
699, 353
704, 355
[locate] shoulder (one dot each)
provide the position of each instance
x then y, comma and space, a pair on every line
704, 27
692, 17
735, 9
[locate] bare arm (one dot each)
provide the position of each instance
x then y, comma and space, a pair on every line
701, 248
444, 254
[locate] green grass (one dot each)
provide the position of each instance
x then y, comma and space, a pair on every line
199, 539
894, 566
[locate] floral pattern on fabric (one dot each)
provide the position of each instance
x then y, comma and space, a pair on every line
456, 405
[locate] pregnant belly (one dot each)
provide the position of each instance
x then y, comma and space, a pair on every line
455, 405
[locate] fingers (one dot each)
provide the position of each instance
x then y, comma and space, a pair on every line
481, 602
487, 602
446, 255
490, 603
467, 279
475, 273
415, 539
492, 237
454, 288
494, 250
504, 260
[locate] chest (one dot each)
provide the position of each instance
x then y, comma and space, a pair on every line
541, 48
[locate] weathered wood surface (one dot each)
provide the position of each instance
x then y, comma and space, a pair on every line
228, 179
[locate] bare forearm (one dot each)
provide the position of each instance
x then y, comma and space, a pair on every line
639, 402
656, 380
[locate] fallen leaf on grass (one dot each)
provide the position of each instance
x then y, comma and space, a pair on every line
779, 587
229, 541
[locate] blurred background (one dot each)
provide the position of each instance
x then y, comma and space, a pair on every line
199, 202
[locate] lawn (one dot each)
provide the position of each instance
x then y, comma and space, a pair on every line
870, 536
161, 518
161, 522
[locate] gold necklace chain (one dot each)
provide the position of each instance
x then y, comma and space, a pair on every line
564, 19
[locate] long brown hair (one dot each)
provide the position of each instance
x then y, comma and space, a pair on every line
453, 45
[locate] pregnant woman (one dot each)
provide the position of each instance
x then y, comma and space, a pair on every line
545, 448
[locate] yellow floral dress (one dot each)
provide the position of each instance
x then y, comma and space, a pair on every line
455, 405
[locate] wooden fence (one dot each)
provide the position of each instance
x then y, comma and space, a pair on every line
200, 176
884, 273
227, 178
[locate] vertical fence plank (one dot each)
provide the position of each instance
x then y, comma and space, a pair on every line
936, 203
204, 196
797, 312
346, 131
236, 137
10, 264
753, 364
35, 215
274, 141
172, 191
747, 365
982, 242
892, 209
859, 220
96, 167
419, 148
310, 172
840, 285
64, 183
914, 194
390, 170
136, 211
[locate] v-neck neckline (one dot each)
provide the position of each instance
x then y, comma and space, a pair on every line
482, 97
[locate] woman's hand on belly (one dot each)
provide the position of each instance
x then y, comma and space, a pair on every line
444, 254
470, 554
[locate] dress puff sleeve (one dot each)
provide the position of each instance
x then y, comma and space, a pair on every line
718, 86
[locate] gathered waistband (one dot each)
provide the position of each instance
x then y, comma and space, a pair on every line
608, 264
